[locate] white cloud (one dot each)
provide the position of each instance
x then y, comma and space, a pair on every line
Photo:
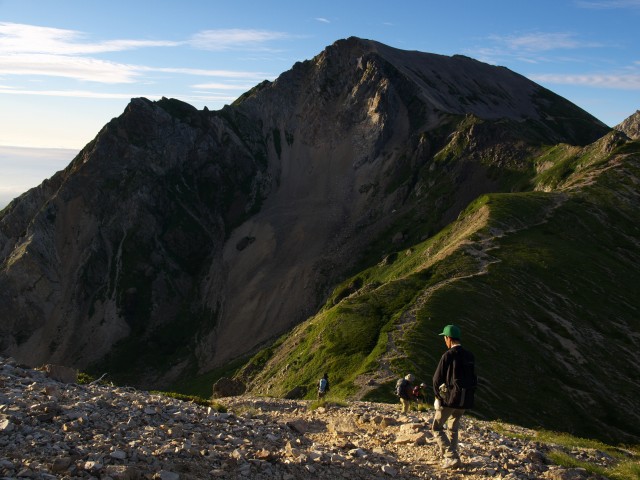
221, 86
28, 52
54, 52
218, 100
234, 39
540, 42
80, 68
207, 73
622, 82
32, 39
535, 47
322, 20
76, 94
195, 96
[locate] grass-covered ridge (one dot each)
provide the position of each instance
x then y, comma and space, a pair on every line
528, 276
576, 452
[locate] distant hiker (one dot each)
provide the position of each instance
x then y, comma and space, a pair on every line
419, 393
454, 384
323, 385
404, 388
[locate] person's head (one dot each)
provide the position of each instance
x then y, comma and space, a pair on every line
326, 375
409, 377
451, 334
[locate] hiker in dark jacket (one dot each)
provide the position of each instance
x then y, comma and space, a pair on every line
454, 385
406, 392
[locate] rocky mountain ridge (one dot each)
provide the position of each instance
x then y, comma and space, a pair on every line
52, 430
334, 220
180, 240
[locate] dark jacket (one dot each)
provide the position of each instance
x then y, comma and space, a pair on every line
456, 370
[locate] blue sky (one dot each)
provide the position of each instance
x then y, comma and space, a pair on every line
68, 66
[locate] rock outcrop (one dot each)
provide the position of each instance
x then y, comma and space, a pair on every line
631, 126
52, 430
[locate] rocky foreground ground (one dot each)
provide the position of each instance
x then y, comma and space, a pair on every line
53, 430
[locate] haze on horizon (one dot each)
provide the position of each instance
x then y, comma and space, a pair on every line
25, 168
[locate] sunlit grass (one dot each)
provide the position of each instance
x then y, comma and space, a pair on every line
625, 461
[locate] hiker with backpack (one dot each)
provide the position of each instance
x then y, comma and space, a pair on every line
454, 384
404, 390
323, 385
419, 393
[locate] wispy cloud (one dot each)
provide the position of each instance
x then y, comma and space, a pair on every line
77, 94
609, 4
194, 96
80, 68
622, 82
541, 42
322, 20
31, 39
235, 39
221, 86
208, 73
43, 51
533, 47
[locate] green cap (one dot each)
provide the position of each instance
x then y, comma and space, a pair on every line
452, 331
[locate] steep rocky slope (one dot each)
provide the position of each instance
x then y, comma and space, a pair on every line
179, 240
54, 430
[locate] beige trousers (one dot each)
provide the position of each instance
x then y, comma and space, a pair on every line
451, 418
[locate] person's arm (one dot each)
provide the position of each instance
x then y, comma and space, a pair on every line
440, 375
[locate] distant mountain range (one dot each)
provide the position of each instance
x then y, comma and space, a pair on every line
335, 219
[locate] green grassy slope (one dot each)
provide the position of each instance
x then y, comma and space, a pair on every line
543, 284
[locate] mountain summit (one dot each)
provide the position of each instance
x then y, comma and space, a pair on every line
180, 240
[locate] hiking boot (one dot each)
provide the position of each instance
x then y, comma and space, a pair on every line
451, 462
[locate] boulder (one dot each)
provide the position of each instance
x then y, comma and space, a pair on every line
61, 374
228, 387
295, 393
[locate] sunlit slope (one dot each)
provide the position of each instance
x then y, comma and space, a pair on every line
544, 285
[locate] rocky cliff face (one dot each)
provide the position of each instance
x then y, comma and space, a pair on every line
179, 240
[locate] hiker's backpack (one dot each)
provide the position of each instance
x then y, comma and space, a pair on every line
322, 386
400, 387
461, 393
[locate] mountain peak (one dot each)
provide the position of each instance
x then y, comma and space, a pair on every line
438, 85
